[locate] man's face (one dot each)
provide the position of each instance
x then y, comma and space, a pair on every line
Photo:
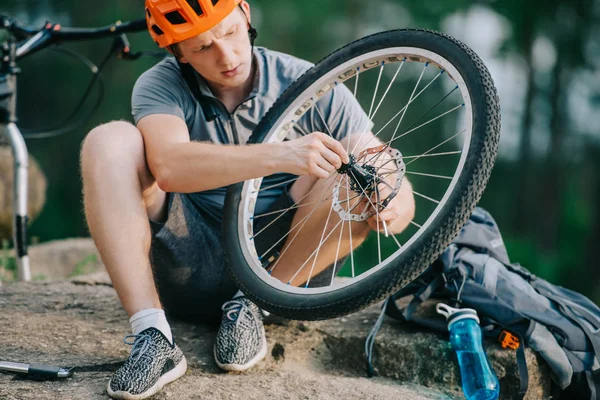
223, 54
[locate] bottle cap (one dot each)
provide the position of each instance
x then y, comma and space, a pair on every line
456, 314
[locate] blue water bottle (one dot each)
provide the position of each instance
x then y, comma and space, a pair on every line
479, 382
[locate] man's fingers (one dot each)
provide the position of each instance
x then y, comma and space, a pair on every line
325, 165
318, 169
336, 147
332, 158
384, 215
387, 215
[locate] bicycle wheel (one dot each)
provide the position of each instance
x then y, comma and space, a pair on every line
435, 129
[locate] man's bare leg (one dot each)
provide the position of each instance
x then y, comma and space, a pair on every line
310, 231
119, 195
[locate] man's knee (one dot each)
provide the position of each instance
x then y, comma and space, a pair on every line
112, 141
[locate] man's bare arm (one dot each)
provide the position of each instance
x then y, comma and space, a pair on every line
179, 165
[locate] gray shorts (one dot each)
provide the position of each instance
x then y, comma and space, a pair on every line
188, 259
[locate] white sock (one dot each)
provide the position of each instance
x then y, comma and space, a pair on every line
151, 318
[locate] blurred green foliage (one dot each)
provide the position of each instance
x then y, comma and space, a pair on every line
545, 189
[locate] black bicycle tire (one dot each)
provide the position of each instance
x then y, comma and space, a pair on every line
453, 215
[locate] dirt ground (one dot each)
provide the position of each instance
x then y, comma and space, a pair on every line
81, 325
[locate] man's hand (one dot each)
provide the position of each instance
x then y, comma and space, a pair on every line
317, 154
398, 213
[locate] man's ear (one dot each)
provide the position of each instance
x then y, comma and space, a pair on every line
176, 51
246, 9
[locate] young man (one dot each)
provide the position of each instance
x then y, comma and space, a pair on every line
154, 192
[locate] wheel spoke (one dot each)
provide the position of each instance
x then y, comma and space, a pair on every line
435, 147
294, 207
378, 234
277, 184
350, 228
428, 111
303, 221
388, 88
282, 210
396, 240
430, 175
299, 128
355, 91
404, 108
272, 222
337, 254
319, 246
410, 99
415, 224
433, 154
426, 123
426, 197
316, 106
433, 107
312, 268
315, 251
376, 89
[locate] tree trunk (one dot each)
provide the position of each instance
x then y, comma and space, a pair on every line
549, 201
523, 168
593, 239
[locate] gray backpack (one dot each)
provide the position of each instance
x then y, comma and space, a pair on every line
562, 326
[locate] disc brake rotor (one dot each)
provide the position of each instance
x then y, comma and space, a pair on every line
364, 179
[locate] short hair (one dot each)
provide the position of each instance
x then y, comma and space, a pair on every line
176, 50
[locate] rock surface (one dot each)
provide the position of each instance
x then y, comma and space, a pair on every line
36, 194
80, 323
64, 258
60, 259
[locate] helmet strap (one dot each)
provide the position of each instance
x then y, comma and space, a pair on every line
252, 32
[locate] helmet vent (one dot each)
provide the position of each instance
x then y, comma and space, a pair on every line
175, 18
157, 30
215, 2
148, 12
195, 6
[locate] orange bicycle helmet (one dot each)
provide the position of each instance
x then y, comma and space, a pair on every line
172, 21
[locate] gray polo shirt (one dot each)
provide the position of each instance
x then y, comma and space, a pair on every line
162, 90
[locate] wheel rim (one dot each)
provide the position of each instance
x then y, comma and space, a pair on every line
350, 73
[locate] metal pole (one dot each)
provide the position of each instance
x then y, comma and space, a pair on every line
20, 183
21, 162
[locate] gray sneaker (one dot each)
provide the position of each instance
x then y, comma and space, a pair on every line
241, 341
153, 363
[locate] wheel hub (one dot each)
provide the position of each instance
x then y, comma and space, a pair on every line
363, 178
360, 177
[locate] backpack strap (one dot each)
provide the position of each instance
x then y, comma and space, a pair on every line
592, 385
517, 328
390, 308
522, 367
187, 71
371, 336
419, 297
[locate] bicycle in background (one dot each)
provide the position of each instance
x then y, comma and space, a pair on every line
22, 42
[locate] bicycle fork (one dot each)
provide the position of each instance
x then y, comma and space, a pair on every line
8, 118
21, 162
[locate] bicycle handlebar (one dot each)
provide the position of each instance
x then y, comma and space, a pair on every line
37, 39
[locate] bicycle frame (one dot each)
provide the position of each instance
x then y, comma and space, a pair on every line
11, 51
